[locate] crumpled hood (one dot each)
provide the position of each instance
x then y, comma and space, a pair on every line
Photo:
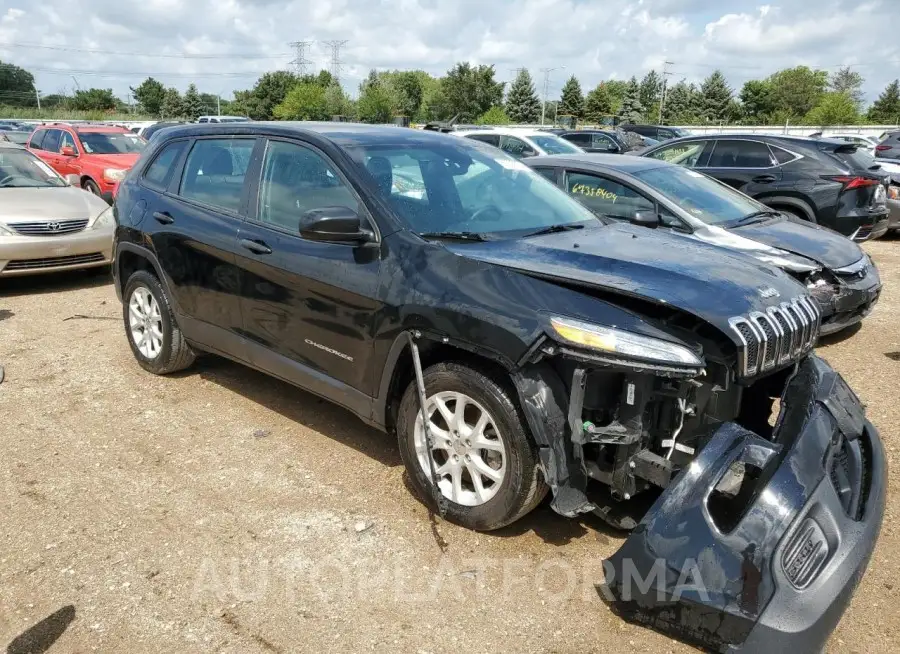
123, 161
704, 280
63, 203
820, 244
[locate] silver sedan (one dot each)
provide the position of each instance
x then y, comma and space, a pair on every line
46, 222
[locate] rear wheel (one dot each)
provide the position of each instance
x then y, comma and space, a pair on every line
485, 463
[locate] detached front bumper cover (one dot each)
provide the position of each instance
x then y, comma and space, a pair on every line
774, 571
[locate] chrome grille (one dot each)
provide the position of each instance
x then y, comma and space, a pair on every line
782, 333
53, 262
49, 227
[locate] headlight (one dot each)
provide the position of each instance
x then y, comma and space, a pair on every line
785, 261
616, 341
114, 174
4, 230
104, 219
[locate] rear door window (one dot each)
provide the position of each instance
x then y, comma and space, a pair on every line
741, 154
51, 140
215, 171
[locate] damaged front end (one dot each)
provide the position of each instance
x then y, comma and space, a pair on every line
744, 533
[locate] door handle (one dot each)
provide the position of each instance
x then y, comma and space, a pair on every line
764, 179
163, 217
257, 247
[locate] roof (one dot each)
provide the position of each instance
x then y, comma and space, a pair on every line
621, 162
786, 138
508, 131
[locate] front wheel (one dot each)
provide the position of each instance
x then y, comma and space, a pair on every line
91, 187
483, 457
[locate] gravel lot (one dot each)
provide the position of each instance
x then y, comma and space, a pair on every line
222, 510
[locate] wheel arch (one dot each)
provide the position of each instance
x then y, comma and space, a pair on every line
129, 258
795, 204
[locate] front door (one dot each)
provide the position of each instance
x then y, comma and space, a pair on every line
308, 306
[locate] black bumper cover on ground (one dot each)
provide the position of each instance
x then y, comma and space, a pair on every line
780, 579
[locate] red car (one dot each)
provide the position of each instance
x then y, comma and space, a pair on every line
99, 154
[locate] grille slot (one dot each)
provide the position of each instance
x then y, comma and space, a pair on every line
53, 262
782, 333
50, 227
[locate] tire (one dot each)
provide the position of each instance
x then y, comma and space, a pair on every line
171, 353
522, 486
90, 186
793, 215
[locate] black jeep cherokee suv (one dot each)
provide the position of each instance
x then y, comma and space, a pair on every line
438, 288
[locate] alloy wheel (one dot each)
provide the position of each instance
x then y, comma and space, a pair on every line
145, 322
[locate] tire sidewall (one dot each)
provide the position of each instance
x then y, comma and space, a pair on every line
143, 279
504, 507
91, 187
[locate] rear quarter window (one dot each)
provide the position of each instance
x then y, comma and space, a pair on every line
159, 173
37, 138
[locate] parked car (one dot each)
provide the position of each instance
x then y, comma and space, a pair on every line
148, 132
822, 181
657, 132
46, 224
521, 142
605, 141
888, 146
843, 280
223, 119
866, 143
514, 342
17, 137
99, 155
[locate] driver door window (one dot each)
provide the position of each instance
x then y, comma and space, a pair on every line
516, 147
295, 180
606, 197
685, 154
67, 142
602, 142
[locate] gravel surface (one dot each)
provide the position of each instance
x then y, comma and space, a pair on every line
221, 510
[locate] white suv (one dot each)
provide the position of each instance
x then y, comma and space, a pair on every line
521, 142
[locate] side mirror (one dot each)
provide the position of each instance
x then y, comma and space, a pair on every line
645, 218
72, 180
529, 152
612, 147
68, 151
334, 224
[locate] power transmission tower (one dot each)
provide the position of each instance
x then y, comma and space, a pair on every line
547, 72
665, 76
300, 62
335, 58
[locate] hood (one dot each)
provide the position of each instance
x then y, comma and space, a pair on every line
820, 244
701, 279
124, 161
66, 203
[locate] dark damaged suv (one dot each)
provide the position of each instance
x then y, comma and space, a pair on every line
439, 289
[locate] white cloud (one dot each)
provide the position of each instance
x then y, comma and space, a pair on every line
594, 39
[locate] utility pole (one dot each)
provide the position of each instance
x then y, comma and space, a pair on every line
300, 62
77, 85
547, 72
37, 94
665, 76
336, 58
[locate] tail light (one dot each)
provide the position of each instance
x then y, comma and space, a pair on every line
852, 182
894, 192
882, 148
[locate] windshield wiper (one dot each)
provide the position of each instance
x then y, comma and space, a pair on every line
462, 236
757, 217
553, 229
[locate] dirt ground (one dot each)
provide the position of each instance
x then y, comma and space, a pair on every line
220, 510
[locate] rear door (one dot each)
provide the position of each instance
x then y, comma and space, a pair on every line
193, 225
308, 306
49, 150
746, 165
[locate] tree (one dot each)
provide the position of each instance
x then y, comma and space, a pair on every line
680, 104
795, 91
150, 96
632, 110
599, 103
192, 103
651, 89
469, 91
886, 109
522, 103
54, 100
306, 101
270, 90
572, 100
336, 101
172, 106
375, 103
16, 86
834, 108
494, 116
94, 100
756, 96
407, 90
848, 82
715, 97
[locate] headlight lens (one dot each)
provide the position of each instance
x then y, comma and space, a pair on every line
616, 341
4, 230
114, 174
785, 261
104, 219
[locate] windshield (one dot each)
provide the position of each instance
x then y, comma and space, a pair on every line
552, 144
466, 187
703, 197
111, 142
21, 169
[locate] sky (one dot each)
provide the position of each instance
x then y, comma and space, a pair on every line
223, 45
